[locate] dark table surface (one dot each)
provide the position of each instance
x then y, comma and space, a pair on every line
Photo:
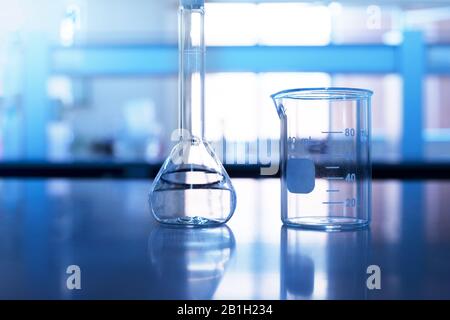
104, 227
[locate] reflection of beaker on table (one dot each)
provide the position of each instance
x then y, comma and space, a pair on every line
189, 263
321, 265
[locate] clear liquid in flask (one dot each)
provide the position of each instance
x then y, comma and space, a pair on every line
192, 188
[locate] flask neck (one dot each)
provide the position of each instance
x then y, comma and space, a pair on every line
191, 93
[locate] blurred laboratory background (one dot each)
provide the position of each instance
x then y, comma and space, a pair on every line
96, 81
88, 88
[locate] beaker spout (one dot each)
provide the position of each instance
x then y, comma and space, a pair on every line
279, 106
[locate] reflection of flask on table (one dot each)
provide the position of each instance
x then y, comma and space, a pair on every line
323, 265
192, 187
189, 263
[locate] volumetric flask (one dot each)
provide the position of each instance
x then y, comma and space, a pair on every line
325, 157
192, 187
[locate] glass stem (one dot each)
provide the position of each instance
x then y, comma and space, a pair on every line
191, 72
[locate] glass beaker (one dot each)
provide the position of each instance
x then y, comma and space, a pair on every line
192, 187
325, 157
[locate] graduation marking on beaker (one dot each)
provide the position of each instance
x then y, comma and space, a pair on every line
332, 132
334, 178
333, 202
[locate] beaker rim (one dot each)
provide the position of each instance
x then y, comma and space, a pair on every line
324, 93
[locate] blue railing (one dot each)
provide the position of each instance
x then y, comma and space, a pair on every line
412, 60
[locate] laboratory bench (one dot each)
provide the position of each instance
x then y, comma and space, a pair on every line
104, 227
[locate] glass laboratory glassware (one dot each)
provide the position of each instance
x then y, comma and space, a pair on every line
325, 157
192, 187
